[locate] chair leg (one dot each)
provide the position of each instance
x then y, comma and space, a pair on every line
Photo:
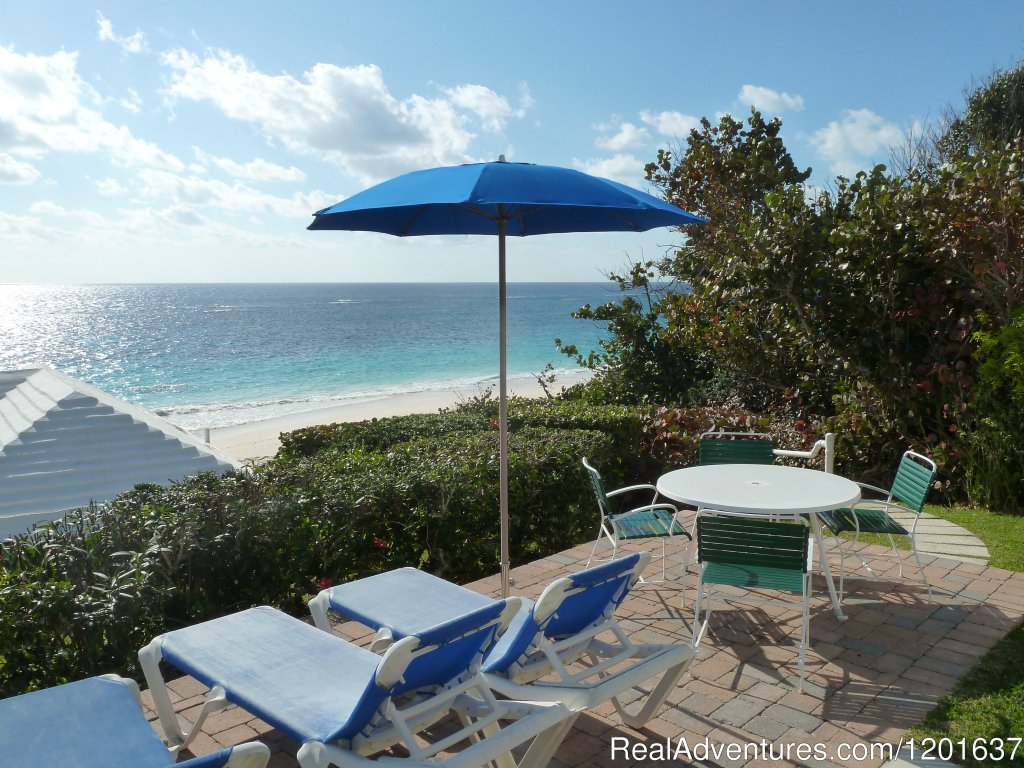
684, 571
805, 629
661, 691
544, 745
697, 633
896, 552
920, 568
612, 539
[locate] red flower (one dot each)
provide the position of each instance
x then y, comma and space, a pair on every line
325, 583
379, 543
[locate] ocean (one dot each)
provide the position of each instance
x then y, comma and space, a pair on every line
212, 355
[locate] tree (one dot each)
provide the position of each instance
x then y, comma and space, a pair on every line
994, 115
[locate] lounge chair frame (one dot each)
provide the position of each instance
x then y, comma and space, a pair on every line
540, 671
400, 718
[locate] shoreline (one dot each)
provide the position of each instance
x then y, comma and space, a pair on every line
258, 440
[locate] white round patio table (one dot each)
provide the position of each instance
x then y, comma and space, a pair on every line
765, 488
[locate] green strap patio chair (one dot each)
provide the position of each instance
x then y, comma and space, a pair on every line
753, 552
653, 520
736, 448
875, 515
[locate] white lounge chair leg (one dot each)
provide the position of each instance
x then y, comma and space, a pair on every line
251, 755
655, 700
546, 743
149, 660
505, 760
318, 607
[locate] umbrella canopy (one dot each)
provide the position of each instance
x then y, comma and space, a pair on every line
475, 199
500, 198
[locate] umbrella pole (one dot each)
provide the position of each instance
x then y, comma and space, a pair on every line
502, 413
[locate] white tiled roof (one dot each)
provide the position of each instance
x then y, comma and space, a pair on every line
64, 443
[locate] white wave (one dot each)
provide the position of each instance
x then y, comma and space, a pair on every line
193, 416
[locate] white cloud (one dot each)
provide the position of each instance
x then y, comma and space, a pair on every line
767, 100
135, 43
674, 124
109, 187
237, 198
623, 168
187, 226
854, 142
626, 136
344, 114
493, 110
254, 170
13, 171
47, 107
132, 102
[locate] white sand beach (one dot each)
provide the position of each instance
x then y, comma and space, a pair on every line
260, 439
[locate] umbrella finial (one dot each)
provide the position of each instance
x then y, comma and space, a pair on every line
501, 158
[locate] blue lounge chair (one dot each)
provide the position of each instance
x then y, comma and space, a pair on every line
536, 658
97, 723
343, 703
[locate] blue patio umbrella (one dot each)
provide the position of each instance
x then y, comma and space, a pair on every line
500, 198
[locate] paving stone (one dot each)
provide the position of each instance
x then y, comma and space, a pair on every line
765, 727
738, 711
864, 646
793, 717
908, 622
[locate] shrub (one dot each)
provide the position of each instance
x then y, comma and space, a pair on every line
376, 434
673, 434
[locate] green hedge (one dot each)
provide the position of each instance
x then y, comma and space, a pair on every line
377, 434
87, 595
623, 424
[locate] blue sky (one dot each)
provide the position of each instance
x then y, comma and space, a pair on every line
190, 141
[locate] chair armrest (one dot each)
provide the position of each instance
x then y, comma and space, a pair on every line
887, 505
650, 508
629, 488
874, 488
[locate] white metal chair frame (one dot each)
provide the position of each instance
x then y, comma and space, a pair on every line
700, 628
609, 528
885, 504
826, 444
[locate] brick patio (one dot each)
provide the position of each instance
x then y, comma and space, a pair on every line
868, 679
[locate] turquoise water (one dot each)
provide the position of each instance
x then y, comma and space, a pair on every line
218, 354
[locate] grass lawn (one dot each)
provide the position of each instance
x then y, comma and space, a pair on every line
988, 702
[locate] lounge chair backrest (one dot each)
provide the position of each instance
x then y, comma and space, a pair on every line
445, 652
913, 480
736, 448
751, 542
572, 604
568, 606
